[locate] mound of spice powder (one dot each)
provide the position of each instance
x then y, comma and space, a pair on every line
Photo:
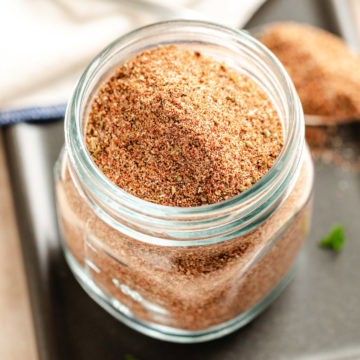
178, 128
325, 71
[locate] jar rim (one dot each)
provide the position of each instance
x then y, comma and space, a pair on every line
100, 185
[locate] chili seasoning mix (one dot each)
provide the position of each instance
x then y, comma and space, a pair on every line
177, 128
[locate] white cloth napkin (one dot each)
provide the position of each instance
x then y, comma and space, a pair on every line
45, 44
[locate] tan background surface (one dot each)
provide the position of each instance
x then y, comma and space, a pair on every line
17, 338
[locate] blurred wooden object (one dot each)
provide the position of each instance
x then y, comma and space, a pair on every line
17, 335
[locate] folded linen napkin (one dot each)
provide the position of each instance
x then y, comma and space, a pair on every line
49, 42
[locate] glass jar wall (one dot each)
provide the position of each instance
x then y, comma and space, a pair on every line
185, 274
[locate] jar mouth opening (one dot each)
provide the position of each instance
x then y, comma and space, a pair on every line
99, 183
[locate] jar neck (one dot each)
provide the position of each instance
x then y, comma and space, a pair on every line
172, 226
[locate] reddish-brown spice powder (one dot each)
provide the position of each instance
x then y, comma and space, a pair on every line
177, 128
325, 71
198, 286
337, 145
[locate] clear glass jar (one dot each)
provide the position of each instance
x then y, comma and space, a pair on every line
185, 274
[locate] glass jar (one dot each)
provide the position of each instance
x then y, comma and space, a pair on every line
185, 274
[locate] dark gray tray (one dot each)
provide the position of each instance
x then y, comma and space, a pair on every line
317, 316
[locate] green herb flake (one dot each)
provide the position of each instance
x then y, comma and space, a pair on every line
129, 357
335, 240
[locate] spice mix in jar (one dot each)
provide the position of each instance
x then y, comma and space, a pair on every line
184, 189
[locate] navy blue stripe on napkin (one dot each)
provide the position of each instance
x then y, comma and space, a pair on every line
32, 114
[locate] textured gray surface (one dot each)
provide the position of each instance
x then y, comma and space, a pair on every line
317, 316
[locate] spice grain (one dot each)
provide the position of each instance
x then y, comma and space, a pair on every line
336, 145
325, 72
189, 288
177, 128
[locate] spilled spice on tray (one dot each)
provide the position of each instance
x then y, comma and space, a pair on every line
178, 128
325, 71
338, 145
